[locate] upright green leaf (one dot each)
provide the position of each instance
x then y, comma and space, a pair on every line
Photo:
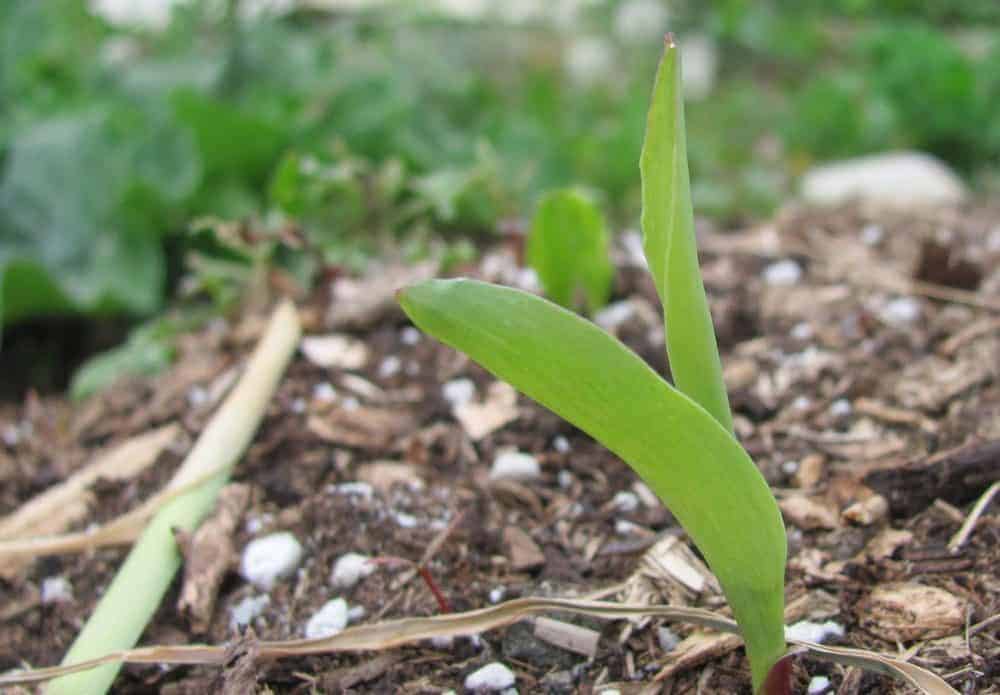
592, 380
671, 249
568, 248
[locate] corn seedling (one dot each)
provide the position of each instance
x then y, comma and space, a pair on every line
678, 438
568, 248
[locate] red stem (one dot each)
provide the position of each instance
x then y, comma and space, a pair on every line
429, 580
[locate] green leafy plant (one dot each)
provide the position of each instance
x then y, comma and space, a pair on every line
677, 438
568, 248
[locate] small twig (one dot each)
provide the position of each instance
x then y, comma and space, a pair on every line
425, 574
983, 624
960, 538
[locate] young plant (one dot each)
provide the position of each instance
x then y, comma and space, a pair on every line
677, 438
568, 248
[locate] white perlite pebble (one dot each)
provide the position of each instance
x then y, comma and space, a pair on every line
328, 620
789, 467
351, 569
560, 444
872, 234
900, 312
405, 520
244, 612
802, 331
783, 273
458, 392
56, 590
808, 631
667, 638
409, 336
626, 501
840, 408
515, 465
267, 559
565, 479
817, 685
324, 392
490, 678
497, 594
355, 613
390, 367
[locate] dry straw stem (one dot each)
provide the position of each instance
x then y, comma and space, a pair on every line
394, 633
140, 583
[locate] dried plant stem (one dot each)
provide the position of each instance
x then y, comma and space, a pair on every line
139, 586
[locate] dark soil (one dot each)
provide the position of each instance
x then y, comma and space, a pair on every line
868, 409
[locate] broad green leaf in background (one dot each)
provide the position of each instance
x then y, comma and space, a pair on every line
593, 381
568, 248
671, 249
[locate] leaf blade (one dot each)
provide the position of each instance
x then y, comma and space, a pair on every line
581, 373
671, 249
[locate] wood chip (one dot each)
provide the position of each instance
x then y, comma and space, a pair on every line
867, 511
524, 553
208, 555
359, 304
335, 351
572, 638
808, 513
907, 612
362, 428
497, 409
382, 475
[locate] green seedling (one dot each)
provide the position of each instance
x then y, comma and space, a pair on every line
568, 248
677, 438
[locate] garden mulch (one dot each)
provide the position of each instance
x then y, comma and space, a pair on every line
864, 373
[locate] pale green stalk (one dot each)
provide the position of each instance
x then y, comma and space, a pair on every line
137, 589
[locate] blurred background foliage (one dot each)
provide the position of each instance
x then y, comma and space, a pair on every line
369, 126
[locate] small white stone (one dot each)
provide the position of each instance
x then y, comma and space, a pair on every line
355, 489
626, 501
389, 367
565, 479
783, 273
56, 590
624, 527
808, 631
789, 467
197, 395
405, 520
802, 403
409, 336
515, 465
611, 317
490, 678
497, 594
872, 234
328, 620
560, 444
324, 392
442, 642
355, 613
350, 569
351, 403
458, 392
251, 607
817, 685
802, 331
667, 638
901, 311
840, 408
298, 406
267, 559
527, 280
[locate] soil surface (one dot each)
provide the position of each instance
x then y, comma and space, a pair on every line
862, 355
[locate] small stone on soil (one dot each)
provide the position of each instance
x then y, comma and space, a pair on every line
409, 336
840, 408
56, 590
515, 465
458, 392
809, 631
783, 273
497, 594
351, 569
565, 479
818, 684
667, 638
324, 392
872, 234
328, 620
901, 311
560, 444
490, 678
267, 559
626, 501
251, 607
389, 367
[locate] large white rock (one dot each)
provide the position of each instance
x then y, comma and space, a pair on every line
893, 178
